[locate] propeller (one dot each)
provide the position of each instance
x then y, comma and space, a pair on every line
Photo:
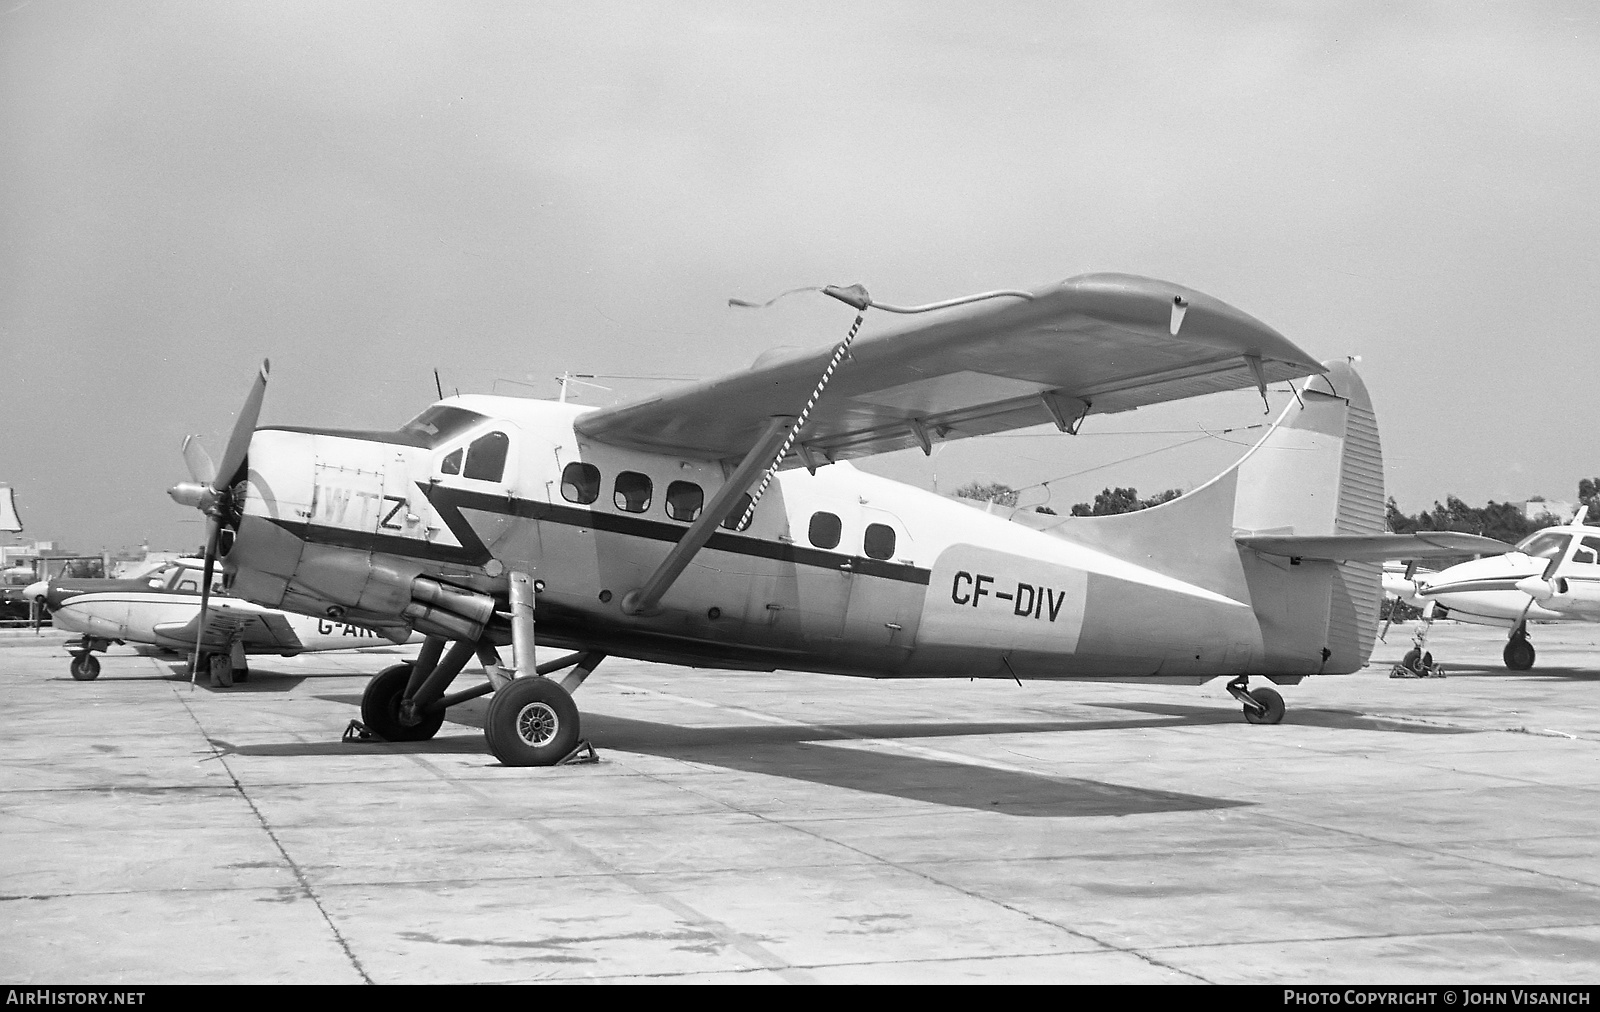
1546, 585
217, 490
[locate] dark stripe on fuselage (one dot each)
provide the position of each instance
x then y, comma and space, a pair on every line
451, 501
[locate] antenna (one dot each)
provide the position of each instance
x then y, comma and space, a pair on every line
438, 385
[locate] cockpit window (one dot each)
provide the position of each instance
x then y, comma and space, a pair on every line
1544, 545
452, 463
486, 457
440, 423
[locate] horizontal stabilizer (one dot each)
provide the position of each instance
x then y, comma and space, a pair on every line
1374, 547
1088, 345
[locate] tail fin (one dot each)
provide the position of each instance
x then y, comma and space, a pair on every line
1320, 472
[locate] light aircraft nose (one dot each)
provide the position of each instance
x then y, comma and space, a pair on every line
36, 589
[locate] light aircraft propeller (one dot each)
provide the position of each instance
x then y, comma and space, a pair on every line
216, 490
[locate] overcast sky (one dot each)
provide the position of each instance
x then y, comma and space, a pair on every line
365, 192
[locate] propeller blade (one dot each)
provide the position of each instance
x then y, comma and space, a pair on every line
201, 469
213, 532
243, 428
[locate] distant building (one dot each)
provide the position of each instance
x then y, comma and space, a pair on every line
1535, 508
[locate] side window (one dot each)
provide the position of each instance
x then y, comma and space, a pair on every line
486, 457
632, 492
452, 463
731, 521
580, 483
825, 530
685, 500
1588, 551
189, 585
879, 541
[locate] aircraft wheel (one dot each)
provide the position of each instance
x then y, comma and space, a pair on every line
1270, 699
380, 707
86, 667
1519, 654
531, 722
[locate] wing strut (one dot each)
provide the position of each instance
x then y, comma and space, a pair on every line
644, 600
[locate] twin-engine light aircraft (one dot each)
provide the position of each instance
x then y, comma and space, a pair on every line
162, 610
721, 525
1552, 575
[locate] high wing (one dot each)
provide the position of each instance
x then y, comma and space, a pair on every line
1092, 344
1375, 547
258, 627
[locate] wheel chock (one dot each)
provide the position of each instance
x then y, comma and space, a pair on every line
1429, 671
358, 732
580, 756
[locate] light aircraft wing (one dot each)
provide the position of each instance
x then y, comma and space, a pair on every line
1091, 344
1375, 547
259, 628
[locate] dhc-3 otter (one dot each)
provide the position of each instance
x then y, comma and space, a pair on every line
721, 524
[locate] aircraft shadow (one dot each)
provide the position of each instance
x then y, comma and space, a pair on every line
1347, 720
799, 752
1548, 673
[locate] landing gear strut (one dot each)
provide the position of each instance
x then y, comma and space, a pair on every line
1519, 653
532, 720
1261, 706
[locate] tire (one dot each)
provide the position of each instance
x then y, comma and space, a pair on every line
86, 667
1519, 654
1270, 699
1412, 661
380, 707
531, 722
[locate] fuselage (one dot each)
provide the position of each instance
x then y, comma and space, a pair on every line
837, 571
1552, 576
151, 610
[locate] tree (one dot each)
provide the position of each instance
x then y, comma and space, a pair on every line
1111, 502
995, 492
1502, 521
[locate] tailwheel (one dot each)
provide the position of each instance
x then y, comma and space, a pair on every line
85, 667
1519, 653
1271, 706
1261, 706
531, 722
380, 707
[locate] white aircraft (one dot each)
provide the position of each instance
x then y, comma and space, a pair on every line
162, 610
720, 525
1552, 575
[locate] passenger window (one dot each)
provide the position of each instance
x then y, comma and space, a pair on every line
580, 483
189, 586
486, 457
685, 500
879, 541
632, 492
735, 515
825, 530
1588, 551
452, 463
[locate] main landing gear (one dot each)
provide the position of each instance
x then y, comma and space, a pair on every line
532, 720
1261, 706
226, 667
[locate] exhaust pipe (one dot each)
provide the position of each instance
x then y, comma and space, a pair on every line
450, 612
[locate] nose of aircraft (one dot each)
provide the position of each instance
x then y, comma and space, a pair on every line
36, 590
